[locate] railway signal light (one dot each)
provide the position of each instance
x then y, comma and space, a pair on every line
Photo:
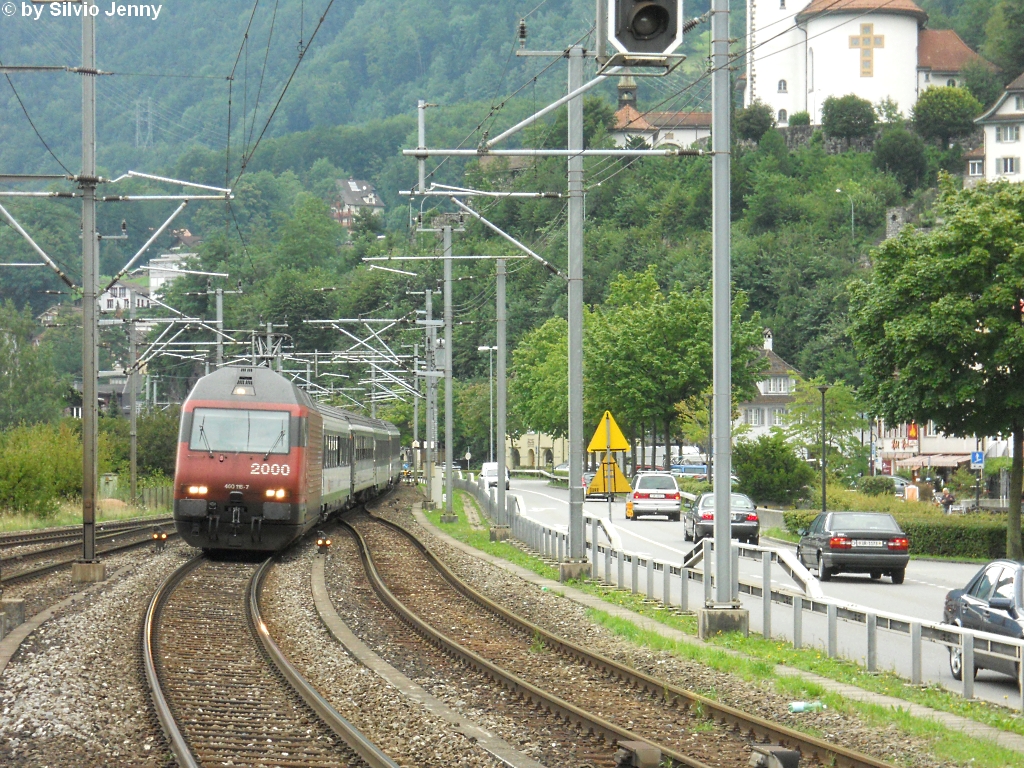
159, 539
645, 26
323, 544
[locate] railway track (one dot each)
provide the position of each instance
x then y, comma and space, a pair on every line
6, 577
592, 692
74, 533
101, 537
219, 701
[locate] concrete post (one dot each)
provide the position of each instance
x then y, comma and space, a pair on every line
967, 656
766, 595
449, 407
833, 631
650, 578
684, 588
502, 388
634, 572
798, 621
872, 628
915, 652
666, 584
620, 581
608, 564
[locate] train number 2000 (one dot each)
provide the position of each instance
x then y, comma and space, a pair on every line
270, 469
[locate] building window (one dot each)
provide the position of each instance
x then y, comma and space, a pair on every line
1007, 133
782, 86
776, 385
976, 168
782, 5
778, 417
951, 83
1018, 103
783, 116
110, 303
927, 77
752, 416
1007, 164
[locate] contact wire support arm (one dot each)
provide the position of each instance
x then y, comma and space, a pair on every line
131, 262
35, 246
497, 230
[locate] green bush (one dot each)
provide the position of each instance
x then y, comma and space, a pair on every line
696, 487
877, 486
39, 466
800, 118
769, 469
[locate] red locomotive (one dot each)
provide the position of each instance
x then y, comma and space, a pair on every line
260, 463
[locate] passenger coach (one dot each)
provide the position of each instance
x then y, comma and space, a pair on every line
260, 463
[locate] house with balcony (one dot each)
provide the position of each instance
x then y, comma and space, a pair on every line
1002, 124
775, 394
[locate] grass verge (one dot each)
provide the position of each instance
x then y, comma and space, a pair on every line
70, 513
756, 659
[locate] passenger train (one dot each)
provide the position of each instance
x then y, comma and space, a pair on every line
260, 463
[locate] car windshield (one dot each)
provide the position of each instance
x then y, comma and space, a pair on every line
220, 429
656, 483
864, 521
739, 501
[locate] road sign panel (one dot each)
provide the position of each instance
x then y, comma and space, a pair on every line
608, 436
609, 475
977, 459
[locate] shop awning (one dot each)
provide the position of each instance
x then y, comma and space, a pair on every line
934, 460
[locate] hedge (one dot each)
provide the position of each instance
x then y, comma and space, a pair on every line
980, 536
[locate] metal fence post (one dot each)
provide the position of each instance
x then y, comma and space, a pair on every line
621, 565
706, 543
608, 564
650, 578
833, 630
593, 548
766, 595
734, 568
872, 624
967, 667
634, 572
684, 588
798, 621
915, 652
558, 536
666, 584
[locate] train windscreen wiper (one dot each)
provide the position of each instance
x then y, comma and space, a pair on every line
271, 449
202, 434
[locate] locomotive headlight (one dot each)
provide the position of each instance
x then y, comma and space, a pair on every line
197, 490
276, 493
270, 493
280, 493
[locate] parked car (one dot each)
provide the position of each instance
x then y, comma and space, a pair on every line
855, 542
562, 469
654, 493
489, 471
991, 602
691, 471
743, 523
899, 483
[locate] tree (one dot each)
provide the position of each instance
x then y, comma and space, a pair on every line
945, 112
769, 469
847, 117
901, 153
1004, 32
754, 121
982, 80
938, 326
843, 421
310, 237
158, 441
29, 388
799, 118
538, 386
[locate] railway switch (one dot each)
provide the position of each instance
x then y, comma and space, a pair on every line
766, 756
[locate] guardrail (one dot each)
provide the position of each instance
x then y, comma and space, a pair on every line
552, 542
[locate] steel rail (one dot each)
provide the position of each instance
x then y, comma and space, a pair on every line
43, 569
345, 730
176, 739
829, 754
17, 538
563, 709
35, 554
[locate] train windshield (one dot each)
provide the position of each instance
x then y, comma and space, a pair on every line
220, 429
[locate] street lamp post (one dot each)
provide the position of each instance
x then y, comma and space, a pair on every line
823, 389
851, 210
490, 392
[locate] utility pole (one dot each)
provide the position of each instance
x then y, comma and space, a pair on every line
722, 613
431, 399
415, 411
501, 427
88, 568
132, 387
449, 448
220, 327
373, 390
577, 541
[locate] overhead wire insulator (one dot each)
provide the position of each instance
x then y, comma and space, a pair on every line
522, 33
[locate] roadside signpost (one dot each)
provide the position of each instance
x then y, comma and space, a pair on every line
610, 480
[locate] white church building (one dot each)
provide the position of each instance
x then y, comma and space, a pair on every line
803, 51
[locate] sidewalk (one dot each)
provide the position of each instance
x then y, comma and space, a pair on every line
954, 722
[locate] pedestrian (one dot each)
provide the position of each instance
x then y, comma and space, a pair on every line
947, 500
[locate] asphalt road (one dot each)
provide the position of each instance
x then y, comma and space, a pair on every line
920, 596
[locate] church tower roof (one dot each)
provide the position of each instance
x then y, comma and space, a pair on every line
831, 7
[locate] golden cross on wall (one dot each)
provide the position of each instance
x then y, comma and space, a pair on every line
867, 41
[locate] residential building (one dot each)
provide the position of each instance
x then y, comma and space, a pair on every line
657, 129
116, 299
536, 451
804, 51
165, 269
775, 394
1002, 124
353, 197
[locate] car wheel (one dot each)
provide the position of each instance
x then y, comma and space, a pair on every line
898, 575
824, 574
686, 533
674, 518
755, 540
956, 662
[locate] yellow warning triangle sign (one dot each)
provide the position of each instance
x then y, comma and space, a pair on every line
608, 436
609, 474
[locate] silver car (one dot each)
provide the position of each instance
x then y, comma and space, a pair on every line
654, 493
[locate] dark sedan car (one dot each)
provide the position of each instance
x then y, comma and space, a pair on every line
855, 542
743, 523
991, 602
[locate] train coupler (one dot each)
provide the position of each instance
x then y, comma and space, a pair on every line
212, 527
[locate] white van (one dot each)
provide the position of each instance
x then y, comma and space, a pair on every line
489, 471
